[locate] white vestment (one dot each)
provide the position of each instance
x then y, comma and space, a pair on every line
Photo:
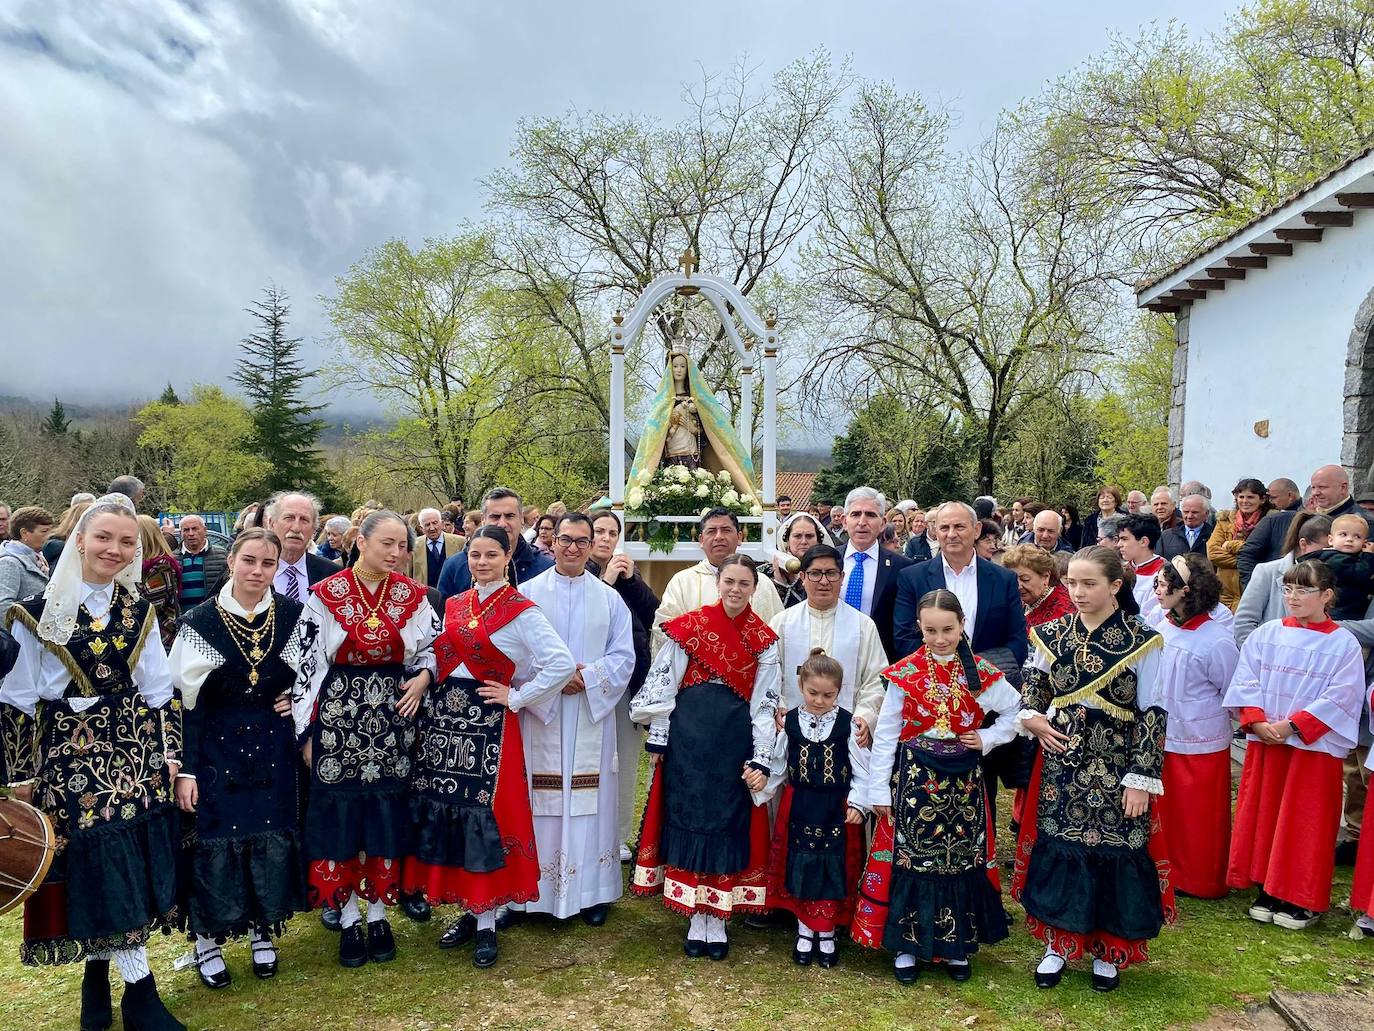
570, 748
847, 636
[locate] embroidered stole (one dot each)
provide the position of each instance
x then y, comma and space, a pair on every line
720, 648
374, 634
544, 741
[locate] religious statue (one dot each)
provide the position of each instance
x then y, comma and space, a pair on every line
688, 426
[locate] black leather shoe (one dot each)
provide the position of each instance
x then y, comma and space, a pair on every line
1049, 980
826, 960
352, 947
717, 951
907, 975
960, 972
381, 946
595, 916
694, 947
758, 921
416, 907
329, 918
218, 980
142, 1008
801, 957
485, 952
509, 918
97, 1013
1105, 983
265, 970
459, 932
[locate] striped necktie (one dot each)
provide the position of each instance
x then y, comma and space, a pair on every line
293, 586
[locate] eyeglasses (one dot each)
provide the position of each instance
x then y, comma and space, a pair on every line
564, 541
1293, 590
828, 575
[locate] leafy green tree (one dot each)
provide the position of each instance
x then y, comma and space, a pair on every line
169, 396
901, 451
57, 423
286, 429
211, 439
1133, 415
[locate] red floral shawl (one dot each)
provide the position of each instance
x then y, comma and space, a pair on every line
461, 643
721, 648
397, 599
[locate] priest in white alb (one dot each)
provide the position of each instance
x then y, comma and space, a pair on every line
841, 631
570, 748
719, 534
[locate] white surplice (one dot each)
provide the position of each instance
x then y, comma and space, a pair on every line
577, 820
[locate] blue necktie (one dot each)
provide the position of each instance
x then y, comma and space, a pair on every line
854, 590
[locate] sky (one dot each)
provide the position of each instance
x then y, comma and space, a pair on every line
162, 160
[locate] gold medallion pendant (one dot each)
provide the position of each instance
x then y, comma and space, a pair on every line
256, 655
472, 624
253, 677
372, 622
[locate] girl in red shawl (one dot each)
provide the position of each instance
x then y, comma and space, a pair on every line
474, 835
710, 700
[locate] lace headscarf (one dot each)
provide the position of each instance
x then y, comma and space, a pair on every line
62, 598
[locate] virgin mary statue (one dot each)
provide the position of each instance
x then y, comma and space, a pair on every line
688, 426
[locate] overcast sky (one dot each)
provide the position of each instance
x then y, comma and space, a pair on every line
161, 160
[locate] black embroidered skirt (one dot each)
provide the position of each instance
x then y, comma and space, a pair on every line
102, 779
707, 807
942, 904
816, 844
360, 767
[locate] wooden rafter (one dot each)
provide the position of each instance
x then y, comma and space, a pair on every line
1329, 218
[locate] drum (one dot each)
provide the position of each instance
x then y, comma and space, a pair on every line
27, 845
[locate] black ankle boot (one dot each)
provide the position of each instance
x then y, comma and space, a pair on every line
142, 1008
97, 1014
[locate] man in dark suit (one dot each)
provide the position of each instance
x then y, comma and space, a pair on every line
1192, 535
870, 570
500, 507
994, 620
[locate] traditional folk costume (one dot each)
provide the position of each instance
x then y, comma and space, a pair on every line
816, 856
230, 666
1196, 665
695, 587
930, 889
847, 636
1289, 805
570, 747
709, 700
474, 836
357, 647
1054, 604
1092, 880
91, 717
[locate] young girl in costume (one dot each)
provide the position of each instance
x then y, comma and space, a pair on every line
817, 848
930, 891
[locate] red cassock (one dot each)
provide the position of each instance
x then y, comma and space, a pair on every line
1195, 820
1362, 888
483, 792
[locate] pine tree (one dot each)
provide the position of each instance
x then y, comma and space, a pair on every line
57, 423
286, 430
169, 396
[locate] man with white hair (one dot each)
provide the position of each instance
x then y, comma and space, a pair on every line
1192, 535
1196, 487
292, 516
433, 549
1047, 529
202, 564
870, 570
81, 497
1136, 502
1163, 507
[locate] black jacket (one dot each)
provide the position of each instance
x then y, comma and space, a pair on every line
643, 603
1173, 543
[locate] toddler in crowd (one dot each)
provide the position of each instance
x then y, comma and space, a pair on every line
1351, 565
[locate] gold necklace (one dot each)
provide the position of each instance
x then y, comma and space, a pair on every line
373, 621
254, 653
364, 575
478, 613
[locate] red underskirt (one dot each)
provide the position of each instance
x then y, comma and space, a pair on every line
1362, 888
1287, 816
818, 914
375, 878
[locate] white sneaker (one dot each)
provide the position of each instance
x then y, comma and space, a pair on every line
626, 855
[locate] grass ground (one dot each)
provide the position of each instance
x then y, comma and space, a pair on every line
631, 974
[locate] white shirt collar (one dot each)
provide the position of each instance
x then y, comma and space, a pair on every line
485, 591
231, 605
102, 594
193, 554
817, 728
298, 565
949, 570
871, 551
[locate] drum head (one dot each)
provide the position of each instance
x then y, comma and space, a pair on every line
27, 846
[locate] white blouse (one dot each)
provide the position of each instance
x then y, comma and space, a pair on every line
999, 697
656, 700
38, 674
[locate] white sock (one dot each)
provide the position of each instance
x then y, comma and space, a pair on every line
376, 911
132, 964
905, 960
1052, 963
263, 949
828, 942
208, 956
715, 930
696, 930
1102, 969
804, 936
958, 962
348, 912
486, 921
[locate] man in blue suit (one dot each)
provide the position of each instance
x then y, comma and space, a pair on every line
500, 507
993, 619
870, 570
